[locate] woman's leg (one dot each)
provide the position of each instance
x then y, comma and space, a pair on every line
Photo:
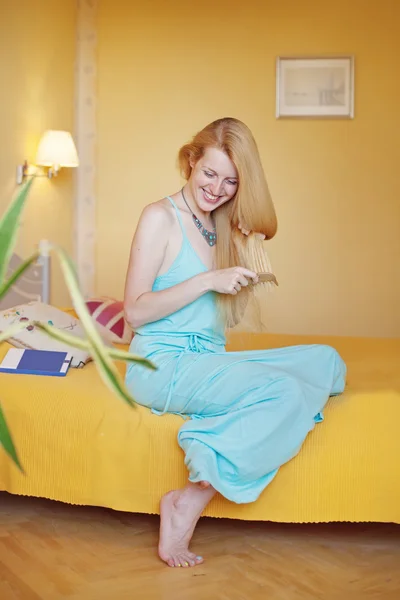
180, 510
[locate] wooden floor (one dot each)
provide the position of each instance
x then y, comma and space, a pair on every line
51, 551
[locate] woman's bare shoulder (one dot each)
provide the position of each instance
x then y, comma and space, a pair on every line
160, 209
158, 213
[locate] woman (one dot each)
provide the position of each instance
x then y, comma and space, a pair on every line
193, 266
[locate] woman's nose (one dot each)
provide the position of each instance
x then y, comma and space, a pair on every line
217, 187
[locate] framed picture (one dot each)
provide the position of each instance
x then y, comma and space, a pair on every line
315, 87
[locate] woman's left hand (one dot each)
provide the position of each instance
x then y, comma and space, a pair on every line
247, 232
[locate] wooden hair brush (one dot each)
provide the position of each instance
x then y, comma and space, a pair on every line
267, 278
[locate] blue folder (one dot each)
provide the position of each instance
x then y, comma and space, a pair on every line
36, 362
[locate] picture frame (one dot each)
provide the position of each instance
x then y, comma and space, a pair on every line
315, 87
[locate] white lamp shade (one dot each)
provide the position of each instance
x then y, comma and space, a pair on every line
57, 148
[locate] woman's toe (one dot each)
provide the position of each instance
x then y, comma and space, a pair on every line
191, 558
177, 561
183, 561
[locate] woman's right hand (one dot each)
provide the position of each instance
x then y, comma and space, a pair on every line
231, 281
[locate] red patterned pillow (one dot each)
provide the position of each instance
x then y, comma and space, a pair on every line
108, 315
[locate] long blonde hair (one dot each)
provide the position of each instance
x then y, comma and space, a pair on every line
251, 206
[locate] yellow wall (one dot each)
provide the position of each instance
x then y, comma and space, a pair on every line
168, 68
37, 50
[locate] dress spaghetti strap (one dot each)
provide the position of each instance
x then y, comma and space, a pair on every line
178, 214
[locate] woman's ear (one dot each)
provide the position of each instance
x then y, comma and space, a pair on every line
193, 159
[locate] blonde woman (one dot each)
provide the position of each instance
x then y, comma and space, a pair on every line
194, 264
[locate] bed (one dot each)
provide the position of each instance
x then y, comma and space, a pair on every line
80, 444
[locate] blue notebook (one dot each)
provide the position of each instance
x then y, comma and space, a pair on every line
36, 362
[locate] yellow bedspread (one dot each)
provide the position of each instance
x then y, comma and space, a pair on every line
80, 444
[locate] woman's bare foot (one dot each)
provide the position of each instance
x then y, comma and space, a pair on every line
180, 510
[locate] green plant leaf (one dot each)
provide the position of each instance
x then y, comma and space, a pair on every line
7, 442
117, 354
17, 274
105, 366
10, 331
9, 224
77, 342
62, 336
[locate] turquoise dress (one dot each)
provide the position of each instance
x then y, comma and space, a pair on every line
246, 413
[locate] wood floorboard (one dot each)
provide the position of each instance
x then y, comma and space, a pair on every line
51, 551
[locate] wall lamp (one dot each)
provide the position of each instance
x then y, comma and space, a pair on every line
56, 150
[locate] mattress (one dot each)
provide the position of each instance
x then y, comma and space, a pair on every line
80, 444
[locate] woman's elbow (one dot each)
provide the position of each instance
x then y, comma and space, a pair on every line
131, 316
